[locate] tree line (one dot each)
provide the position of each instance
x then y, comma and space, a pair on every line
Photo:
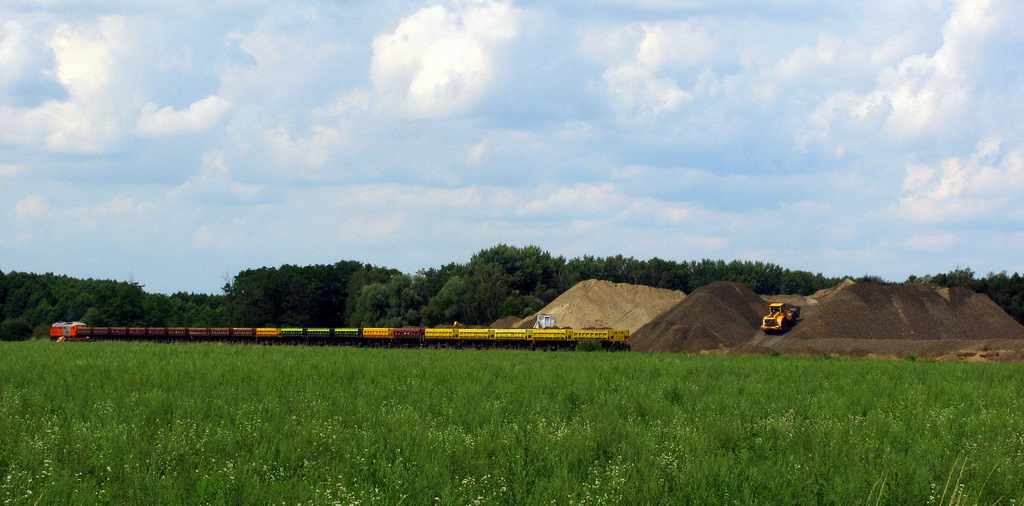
497, 282
32, 302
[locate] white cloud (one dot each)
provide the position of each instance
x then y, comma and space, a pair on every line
86, 64
475, 154
214, 185
703, 242
439, 62
33, 206
292, 57
119, 208
411, 198
314, 150
639, 92
647, 62
926, 94
806, 58
10, 170
988, 184
199, 117
50, 221
231, 237
596, 201
16, 54
95, 114
85, 54
386, 228
930, 242
674, 130
650, 211
808, 207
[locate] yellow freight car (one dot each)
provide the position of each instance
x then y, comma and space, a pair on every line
446, 334
513, 334
588, 334
552, 334
476, 334
267, 332
378, 333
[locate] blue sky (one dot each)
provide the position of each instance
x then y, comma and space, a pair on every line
177, 143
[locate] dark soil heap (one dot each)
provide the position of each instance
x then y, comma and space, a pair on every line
909, 311
716, 316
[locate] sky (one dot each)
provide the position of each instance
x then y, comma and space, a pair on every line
176, 143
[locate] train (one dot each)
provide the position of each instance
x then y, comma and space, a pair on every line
456, 337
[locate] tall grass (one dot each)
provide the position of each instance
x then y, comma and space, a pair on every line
123, 423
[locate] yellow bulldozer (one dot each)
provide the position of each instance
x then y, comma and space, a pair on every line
781, 317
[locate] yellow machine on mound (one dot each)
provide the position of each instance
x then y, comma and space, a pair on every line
781, 317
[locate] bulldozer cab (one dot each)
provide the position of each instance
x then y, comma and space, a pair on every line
774, 309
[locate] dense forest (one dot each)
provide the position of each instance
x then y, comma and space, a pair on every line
496, 282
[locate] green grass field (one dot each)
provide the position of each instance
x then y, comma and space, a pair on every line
84, 423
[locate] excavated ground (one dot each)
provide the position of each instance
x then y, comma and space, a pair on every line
853, 319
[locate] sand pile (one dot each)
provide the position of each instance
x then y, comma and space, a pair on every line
603, 304
824, 293
716, 316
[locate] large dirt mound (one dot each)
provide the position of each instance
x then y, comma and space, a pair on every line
716, 316
859, 319
893, 320
603, 304
909, 311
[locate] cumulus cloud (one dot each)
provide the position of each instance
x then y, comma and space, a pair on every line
214, 185
93, 117
412, 197
289, 60
649, 64
440, 61
10, 169
314, 150
410, 210
33, 206
643, 128
703, 242
17, 56
596, 201
63, 218
986, 184
230, 237
646, 211
103, 211
930, 242
925, 94
199, 117
809, 59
